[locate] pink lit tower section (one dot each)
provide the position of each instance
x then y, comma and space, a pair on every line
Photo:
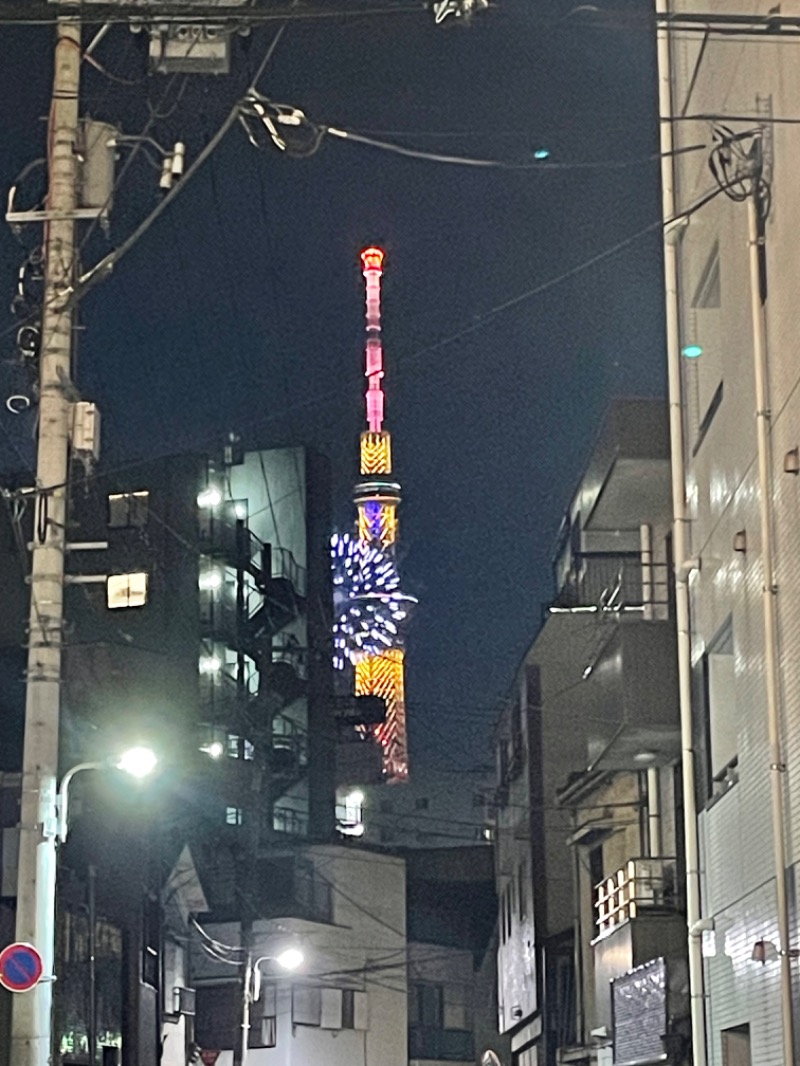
377, 496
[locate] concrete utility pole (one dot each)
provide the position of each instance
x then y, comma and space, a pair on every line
31, 1030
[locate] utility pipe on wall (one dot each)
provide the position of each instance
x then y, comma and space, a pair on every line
653, 813
646, 551
777, 768
680, 543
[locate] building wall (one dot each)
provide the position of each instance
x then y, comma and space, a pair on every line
741, 77
363, 949
434, 809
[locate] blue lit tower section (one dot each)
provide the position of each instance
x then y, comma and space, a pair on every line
380, 665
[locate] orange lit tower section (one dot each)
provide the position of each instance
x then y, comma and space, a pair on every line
377, 496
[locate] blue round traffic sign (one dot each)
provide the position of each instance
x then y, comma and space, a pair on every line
20, 967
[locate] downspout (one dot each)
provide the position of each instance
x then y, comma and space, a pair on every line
777, 767
680, 543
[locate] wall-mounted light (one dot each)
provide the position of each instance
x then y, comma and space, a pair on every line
740, 541
791, 461
691, 351
210, 497
766, 951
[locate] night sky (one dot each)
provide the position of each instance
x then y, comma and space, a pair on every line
242, 307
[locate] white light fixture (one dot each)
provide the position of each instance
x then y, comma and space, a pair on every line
138, 762
210, 497
210, 664
214, 749
645, 756
290, 958
354, 798
209, 580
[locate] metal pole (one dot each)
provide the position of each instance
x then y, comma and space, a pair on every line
31, 1029
777, 767
247, 998
92, 1021
680, 544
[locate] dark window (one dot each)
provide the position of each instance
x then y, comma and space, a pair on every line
722, 720
128, 510
219, 1016
348, 1008
426, 1005
262, 1033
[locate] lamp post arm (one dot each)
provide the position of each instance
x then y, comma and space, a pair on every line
62, 800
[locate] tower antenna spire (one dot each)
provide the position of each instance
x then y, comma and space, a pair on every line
377, 497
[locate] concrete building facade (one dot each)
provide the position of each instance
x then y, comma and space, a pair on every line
588, 868
736, 295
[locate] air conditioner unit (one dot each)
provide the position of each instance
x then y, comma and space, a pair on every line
183, 1000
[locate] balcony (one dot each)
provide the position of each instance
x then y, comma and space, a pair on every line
641, 884
614, 582
638, 918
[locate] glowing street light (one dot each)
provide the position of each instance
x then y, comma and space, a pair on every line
139, 762
290, 958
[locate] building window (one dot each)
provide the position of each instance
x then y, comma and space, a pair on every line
421, 804
233, 815
426, 1005
128, 510
722, 719
126, 590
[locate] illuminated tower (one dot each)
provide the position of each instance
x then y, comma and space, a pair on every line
380, 672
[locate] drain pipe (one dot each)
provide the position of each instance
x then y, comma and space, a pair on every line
683, 565
777, 767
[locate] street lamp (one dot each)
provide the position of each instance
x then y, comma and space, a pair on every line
289, 959
139, 762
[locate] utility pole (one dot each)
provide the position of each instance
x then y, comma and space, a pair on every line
31, 1030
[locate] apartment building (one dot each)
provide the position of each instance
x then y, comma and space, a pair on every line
735, 375
588, 867
198, 622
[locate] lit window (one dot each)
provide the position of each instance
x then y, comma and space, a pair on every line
233, 815
249, 750
209, 664
128, 509
126, 590
233, 746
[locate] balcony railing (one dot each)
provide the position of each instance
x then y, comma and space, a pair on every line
614, 581
641, 884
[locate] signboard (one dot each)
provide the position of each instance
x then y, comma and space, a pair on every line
20, 967
639, 1004
209, 1056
